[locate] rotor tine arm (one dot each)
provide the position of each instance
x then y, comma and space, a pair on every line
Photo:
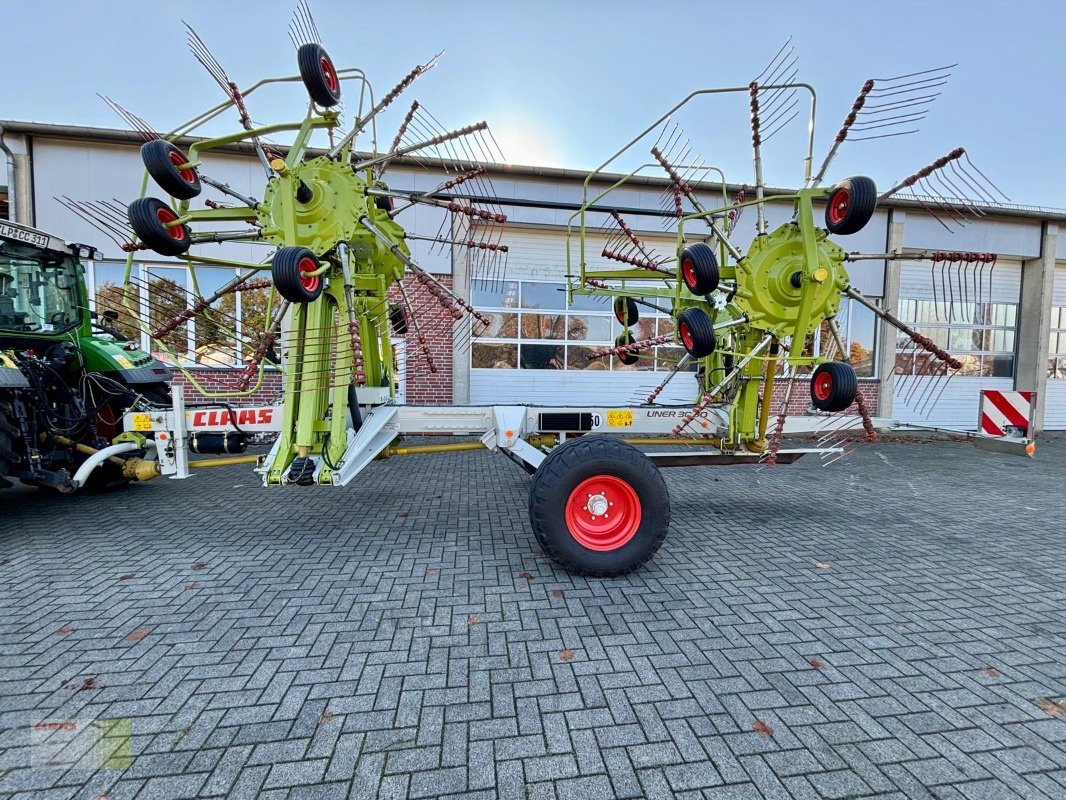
842, 134
922, 341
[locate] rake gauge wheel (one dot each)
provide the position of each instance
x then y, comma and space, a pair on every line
851, 205
696, 332
599, 507
626, 310
162, 160
319, 75
398, 318
834, 386
699, 268
628, 358
149, 218
290, 269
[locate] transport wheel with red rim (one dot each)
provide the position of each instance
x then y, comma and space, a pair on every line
319, 75
850, 205
699, 268
164, 163
834, 386
599, 506
150, 217
290, 270
696, 332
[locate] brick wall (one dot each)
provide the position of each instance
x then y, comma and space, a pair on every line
423, 386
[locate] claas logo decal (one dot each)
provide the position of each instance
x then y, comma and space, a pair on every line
220, 417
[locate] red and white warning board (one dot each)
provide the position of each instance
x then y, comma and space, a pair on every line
1001, 410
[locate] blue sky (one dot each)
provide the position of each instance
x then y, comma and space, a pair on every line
566, 83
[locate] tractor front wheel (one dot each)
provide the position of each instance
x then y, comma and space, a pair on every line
599, 507
291, 270
153, 222
833, 386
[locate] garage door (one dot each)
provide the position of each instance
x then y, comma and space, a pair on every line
1055, 399
943, 306
537, 349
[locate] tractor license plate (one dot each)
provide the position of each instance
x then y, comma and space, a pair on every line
622, 418
142, 422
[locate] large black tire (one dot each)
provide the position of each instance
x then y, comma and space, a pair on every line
319, 75
833, 386
630, 358
8, 433
626, 311
699, 268
148, 218
851, 205
696, 332
622, 481
288, 268
162, 160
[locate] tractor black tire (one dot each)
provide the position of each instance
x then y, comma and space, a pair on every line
319, 75
699, 268
629, 359
624, 482
834, 386
696, 332
9, 432
626, 311
162, 160
851, 205
148, 217
287, 270
398, 318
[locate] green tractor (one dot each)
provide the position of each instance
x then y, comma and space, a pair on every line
66, 377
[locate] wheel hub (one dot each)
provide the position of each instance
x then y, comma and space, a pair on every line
597, 505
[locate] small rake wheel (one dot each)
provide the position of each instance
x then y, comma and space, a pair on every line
628, 358
163, 162
319, 75
150, 219
290, 270
626, 311
851, 205
699, 268
696, 332
833, 386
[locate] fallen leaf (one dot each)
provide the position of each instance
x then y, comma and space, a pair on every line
525, 575
558, 593
566, 655
199, 564
192, 585
4, 561
324, 717
822, 564
1055, 708
127, 577
473, 620
88, 683
100, 797
761, 728
66, 630
137, 635
816, 662
991, 672
431, 572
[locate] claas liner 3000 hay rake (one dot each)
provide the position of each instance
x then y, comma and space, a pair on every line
339, 256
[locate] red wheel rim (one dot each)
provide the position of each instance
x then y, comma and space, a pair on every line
838, 205
165, 216
688, 272
822, 386
329, 74
309, 282
603, 513
619, 310
177, 158
686, 336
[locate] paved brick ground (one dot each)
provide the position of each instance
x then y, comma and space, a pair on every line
402, 638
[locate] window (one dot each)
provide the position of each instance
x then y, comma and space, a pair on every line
217, 337
38, 291
1056, 362
531, 327
981, 335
